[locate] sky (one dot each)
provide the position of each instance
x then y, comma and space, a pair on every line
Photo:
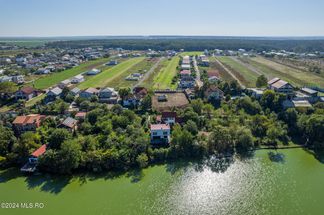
162, 17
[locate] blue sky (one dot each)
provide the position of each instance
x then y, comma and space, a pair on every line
162, 17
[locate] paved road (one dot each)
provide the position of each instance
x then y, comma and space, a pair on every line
197, 71
229, 72
148, 73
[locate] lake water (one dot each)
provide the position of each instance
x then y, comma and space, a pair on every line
294, 185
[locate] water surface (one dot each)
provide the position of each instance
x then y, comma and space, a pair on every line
293, 185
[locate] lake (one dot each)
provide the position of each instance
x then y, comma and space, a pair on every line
293, 185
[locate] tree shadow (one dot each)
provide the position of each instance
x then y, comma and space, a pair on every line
48, 183
276, 157
220, 164
135, 175
317, 153
9, 174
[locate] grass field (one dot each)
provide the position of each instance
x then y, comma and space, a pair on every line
292, 75
149, 81
110, 75
34, 100
222, 72
163, 79
193, 53
141, 67
246, 76
55, 78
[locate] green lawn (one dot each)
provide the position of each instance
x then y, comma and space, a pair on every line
163, 80
57, 77
111, 74
34, 100
192, 53
141, 67
245, 75
292, 75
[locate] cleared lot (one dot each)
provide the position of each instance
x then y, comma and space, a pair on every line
109, 75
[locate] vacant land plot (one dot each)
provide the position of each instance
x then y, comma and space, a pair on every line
149, 81
57, 77
141, 67
174, 99
163, 80
109, 75
215, 66
292, 75
193, 53
245, 75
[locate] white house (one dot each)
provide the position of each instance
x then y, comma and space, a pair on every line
77, 79
108, 95
160, 134
281, 86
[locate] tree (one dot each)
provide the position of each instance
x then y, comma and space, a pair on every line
312, 128
261, 81
27, 144
124, 92
70, 156
8, 87
7, 140
244, 139
182, 141
146, 103
191, 127
142, 160
197, 105
57, 137
249, 106
220, 140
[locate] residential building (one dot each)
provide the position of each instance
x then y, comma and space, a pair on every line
27, 123
70, 124
53, 94
281, 86
160, 134
75, 91
214, 93
65, 83
88, 93
93, 72
80, 115
108, 95
18, 79
77, 79
26, 93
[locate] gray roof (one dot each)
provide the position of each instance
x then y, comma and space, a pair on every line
57, 91
69, 122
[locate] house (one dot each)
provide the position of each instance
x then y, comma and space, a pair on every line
187, 82
26, 93
53, 94
75, 91
70, 124
130, 101
81, 115
42, 71
281, 86
18, 79
31, 165
307, 94
5, 78
112, 63
169, 117
27, 123
185, 73
160, 134
185, 66
77, 79
213, 93
65, 83
93, 72
108, 95
88, 93
256, 92
140, 92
